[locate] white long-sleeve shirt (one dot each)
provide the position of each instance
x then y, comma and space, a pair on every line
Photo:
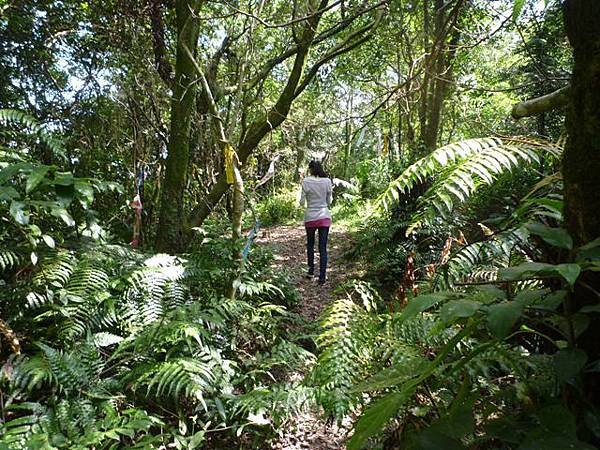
317, 193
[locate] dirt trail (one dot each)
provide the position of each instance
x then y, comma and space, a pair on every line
289, 247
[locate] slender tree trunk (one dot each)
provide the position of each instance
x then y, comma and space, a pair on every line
581, 163
263, 126
426, 82
348, 134
442, 83
169, 236
301, 143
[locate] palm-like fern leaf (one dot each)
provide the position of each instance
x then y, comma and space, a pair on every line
480, 261
32, 127
459, 169
188, 377
345, 350
8, 260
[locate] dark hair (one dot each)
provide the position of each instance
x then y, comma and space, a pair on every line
316, 169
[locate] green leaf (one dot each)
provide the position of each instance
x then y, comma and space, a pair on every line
63, 178
589, 251
85, 191
197, 439
592, 421
568, 363
375, 416
523, 270
420, 304
48, 240
460, 422
63, 214
569, 272
551, 301
395, 375
502, 317
64, 193
458, 309
431, 439
8, 193
18, 213
11, 170
517, 8
35, 178
529, 297
590, 308
557, 237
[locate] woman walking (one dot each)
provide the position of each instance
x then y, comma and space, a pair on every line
317, 194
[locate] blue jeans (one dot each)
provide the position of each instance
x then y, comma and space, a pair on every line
310, 250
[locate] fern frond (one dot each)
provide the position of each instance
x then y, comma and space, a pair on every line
188, 377
276, 402
9, 260
152, 291
32, 127
346, 344
55, 269
460, 169
69, 372
480, 261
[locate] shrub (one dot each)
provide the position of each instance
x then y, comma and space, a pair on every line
279, 208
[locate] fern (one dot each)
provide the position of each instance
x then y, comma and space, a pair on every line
66, 371
344, 356
55, 271
32, 128
480, 261
153, 290
188, 377
78, 423
9, 260
460, 170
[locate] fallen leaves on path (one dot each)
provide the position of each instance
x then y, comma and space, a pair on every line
288, 243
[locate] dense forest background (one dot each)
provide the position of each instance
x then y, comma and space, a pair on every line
145, 145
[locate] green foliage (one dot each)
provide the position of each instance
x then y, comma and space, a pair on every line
279, 208
28, 127
115, 324
37, 201
460, 169
494, 323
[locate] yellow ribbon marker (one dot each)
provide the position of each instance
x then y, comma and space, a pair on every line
386, 144
229, 154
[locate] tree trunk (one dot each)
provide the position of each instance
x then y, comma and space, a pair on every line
348, 134
581, 160
169, 236
581, 163
438, 72
259, 129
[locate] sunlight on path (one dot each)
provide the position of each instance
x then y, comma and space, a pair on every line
289, 247
288, 244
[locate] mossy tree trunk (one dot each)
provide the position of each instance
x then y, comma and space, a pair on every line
169, 236
581, 161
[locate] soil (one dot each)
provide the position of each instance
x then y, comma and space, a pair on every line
288, 243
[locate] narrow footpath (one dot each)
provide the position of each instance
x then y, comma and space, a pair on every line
288, 244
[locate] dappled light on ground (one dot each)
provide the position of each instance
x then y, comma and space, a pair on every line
288, 243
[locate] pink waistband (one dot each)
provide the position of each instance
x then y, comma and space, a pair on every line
318, 223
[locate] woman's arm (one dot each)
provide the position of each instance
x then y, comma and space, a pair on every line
302, 195
329, 193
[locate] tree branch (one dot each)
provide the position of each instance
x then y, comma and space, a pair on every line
162, 64
339, 49
548, 102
